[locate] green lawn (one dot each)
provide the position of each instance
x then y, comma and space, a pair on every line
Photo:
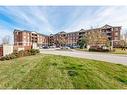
119, 51
84, 49
60, 72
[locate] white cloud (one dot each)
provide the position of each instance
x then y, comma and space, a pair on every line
29, 17
36, 19
5, 32
105, 15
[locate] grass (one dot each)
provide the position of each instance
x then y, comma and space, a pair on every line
119, 51
60, 72
84, 49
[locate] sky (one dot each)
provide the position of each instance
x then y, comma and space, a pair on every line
52, 19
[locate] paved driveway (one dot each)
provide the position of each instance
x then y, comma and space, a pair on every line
121, 59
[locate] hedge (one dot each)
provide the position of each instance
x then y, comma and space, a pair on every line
20, 54
99, 50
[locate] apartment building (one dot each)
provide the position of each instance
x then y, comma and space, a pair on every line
72, 38
112, 33
61, 36
68, 38
25, 40
29, 39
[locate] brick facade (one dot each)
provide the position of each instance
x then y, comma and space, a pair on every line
1, 51
112, 33
27, 38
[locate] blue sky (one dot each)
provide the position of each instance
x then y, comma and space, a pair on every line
53, 19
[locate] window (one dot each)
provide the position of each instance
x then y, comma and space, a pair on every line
28, 44
116, 38
116, 29
20, 43
116, 33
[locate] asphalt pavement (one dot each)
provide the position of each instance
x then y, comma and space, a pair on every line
113, 58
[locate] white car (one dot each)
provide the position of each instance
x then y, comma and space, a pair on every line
66, 47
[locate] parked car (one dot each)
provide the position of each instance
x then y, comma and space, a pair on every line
45, 47
52, 46
73, 47
40, 47
65, 47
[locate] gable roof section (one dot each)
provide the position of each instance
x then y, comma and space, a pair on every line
106, 26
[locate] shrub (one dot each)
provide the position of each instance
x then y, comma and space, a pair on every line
16, 54
12, 56
34, 51
27, 53
37, 51
8, 57
99, 50
2, 58
21, 53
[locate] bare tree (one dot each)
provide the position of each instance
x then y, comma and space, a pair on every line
96, 37
6, 39
62, 40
